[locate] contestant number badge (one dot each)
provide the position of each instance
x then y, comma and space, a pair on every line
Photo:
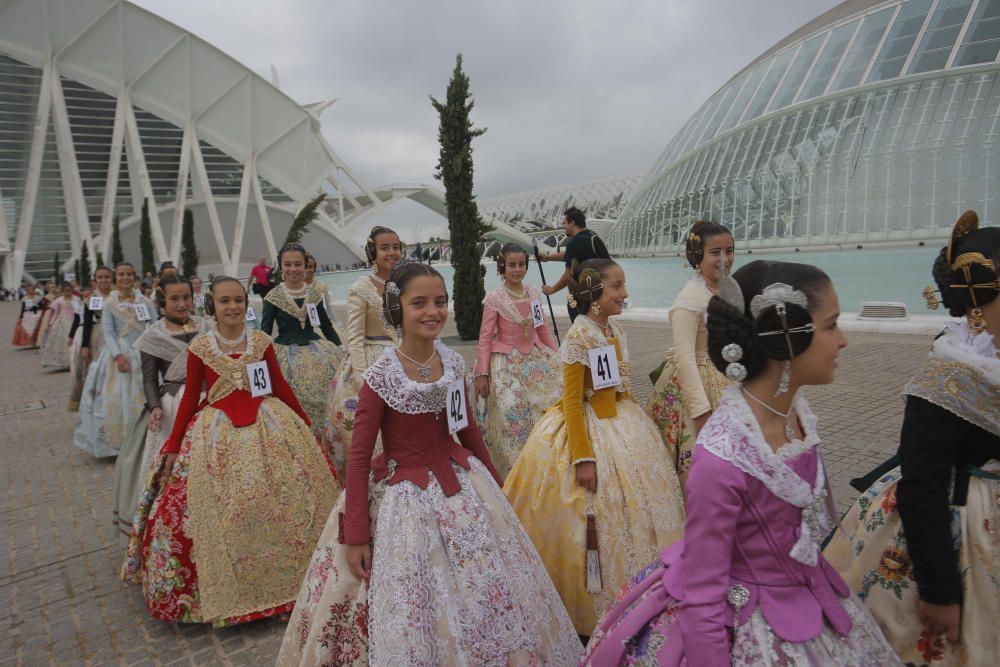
29, 304
251, 314
458, 416
260, 379
536, 314
313, 312
142, 312
96, 302
604, 371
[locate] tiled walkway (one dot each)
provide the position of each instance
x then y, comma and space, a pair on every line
61, 602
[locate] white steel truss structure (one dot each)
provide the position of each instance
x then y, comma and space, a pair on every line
104, 105
877, 121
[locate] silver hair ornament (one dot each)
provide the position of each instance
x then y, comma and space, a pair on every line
392, 288
736, 372
774, 294
732, 353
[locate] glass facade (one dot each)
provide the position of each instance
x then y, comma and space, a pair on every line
826, 141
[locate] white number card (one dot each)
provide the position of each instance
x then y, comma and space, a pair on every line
458, 417
78, 308
251, 315
96, 302
142, 312
536, 314
604, 367
28, 304
313, 314
260, 379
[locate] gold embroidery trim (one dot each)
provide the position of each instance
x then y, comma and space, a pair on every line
232, 372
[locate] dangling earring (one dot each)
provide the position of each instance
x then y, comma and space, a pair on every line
596, 308
977, 323
786, 377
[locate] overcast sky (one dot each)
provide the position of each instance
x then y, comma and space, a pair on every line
570, 90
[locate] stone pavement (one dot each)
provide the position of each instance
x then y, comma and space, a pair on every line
61, 602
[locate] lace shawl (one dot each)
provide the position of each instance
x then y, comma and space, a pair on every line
126, 311
694, 296
159, 341
584, 336
734, 435
280, 298
962, 376
387, 378
366, 289
500, 301
232, 372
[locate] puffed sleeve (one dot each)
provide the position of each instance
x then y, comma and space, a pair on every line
485, 347
472, 439
928, 451
188, 405
357, 314
714, 502
367, 422
572, 405
684, 324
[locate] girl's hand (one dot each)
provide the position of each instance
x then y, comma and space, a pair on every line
586, 475
941, 619
122, 362
168, 469
154, 419
359, 559
483, 386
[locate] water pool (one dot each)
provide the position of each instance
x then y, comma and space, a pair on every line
871, 274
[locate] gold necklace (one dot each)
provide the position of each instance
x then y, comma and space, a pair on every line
605, 328
424, 369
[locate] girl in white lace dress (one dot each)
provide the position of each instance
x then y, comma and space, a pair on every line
423, 561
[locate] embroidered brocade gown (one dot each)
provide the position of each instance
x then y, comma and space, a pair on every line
28, 323
55, 352
368, 335
455, 579
524, 370
638, 505
929, 529
754, 525
229, 537
87, 334
308, 360
689, 384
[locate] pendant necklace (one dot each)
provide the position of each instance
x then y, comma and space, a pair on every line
423, 368
605, 328
789, 431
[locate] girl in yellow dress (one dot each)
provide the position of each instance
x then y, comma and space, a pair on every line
689, 387
593, 476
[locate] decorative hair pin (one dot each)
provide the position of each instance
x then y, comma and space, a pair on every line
778, 295
735, 371
774, 294
931, 297
392, 288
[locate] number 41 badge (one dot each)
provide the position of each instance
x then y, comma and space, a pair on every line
604, 371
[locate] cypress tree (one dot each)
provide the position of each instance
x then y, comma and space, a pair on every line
83, 276
100, 260
76, 269
146, 241
455, 171
55, 269
189, 251
117, 254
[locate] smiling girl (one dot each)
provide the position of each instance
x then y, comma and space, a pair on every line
593, 468
748, 585
88, 339
689, 387
228, 518
423, 561
517, 369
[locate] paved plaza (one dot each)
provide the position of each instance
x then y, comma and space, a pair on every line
61, 602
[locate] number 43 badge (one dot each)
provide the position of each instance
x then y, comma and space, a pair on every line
260, 379
604, 371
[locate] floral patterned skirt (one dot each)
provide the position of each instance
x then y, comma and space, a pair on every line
666, 407
310, 370
621, 640
638, 505
455, 581
123, 398
229, 538
522, 388
872, 557
78, 367
89, 435
338, 419
25, 329
55, 353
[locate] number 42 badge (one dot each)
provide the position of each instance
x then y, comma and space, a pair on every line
458, 416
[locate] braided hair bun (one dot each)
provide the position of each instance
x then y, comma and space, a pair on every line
953, 282
587, 285
694, 245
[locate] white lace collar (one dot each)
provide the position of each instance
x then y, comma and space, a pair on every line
734, 435
958, 344
387, 378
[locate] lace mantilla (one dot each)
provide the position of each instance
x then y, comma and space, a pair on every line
366, 289
734, 435
387, 378
232, 372
280, 298
962, 376
126, 311
500, 301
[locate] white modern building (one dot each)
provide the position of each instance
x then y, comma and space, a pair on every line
104, 105
877, 121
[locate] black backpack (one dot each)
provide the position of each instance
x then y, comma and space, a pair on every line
597, 245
